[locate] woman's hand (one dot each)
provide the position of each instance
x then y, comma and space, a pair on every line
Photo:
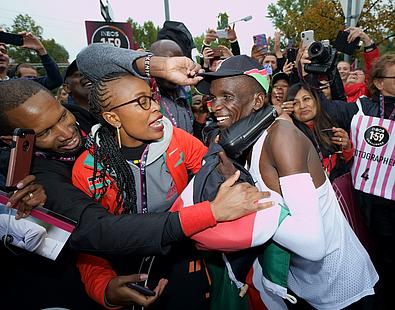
288, 107
340, 138
288, 66
211, 36
119, 294
302, 59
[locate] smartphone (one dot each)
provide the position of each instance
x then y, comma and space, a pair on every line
291, 54
20, 157
222, 33
260, 40
307, 37
141, 289
217, 52
11, 38
327, 131
342, 45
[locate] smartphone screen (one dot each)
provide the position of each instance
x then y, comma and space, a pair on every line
222, 33
11, 38
20, 157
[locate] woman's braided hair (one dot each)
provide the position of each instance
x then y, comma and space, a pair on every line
108, 155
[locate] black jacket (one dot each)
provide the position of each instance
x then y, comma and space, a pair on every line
98, 231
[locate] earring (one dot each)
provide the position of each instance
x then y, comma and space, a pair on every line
119, 137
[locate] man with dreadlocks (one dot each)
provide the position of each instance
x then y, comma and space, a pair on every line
26, 104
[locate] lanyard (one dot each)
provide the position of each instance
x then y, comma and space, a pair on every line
143, 183
165, 106
392, 115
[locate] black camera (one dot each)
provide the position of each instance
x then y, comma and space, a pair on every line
323, 58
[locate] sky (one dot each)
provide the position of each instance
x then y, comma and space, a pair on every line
64, 21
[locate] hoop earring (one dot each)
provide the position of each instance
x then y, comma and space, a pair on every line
119, 137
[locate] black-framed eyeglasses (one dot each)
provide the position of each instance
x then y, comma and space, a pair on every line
386, 77
143, 101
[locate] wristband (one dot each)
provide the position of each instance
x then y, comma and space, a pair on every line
371, 46
147, 61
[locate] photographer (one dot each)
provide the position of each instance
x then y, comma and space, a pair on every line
211, 36
53, 78
373, 163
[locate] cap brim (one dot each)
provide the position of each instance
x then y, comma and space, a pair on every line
72, 67
204, 85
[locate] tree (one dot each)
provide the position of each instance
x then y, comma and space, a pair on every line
222, 23
26, 23
144, 35
326, 18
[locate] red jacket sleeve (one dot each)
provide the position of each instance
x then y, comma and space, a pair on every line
370, 58
95, 273
194, 150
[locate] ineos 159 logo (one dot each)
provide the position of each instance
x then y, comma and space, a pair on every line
112, 35
376, 136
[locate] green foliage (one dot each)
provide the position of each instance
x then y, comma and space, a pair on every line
326, 17
57, 51
20, 55
144, 35
222, 23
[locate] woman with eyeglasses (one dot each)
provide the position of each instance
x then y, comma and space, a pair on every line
131, 167
332, 143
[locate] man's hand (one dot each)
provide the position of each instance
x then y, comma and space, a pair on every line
257, 53
178, 70
117, 293
231, 33
32, 42
236, 200
211, 36
277, 44
208, 54
28, 196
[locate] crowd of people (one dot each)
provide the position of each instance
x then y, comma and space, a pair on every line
124, 146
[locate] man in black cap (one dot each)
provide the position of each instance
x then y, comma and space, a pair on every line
285, 162
76, 86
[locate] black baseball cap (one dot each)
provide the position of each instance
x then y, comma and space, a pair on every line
280, 76
179, 33
233, 66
